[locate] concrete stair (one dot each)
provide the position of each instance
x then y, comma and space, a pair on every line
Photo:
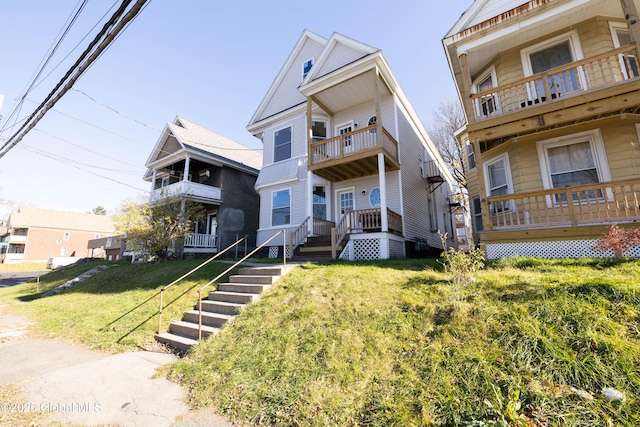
315, 249
221, 305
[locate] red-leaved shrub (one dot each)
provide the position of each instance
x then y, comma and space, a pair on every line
620, 240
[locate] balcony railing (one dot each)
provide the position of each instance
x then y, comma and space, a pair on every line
187, 188
578, 77
200, 241
601, 203
352, 143
14, 238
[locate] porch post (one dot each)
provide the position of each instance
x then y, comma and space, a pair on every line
629, 9
153, 181
186, 168
310, 201
376, 87
466, 88
382, 178
486, 214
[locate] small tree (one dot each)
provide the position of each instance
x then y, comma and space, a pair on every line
619, 240
460, 265
155, 228
99, 210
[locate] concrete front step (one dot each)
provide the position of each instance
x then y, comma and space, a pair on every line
176, 341
221, 307
250, 278
245, 288
236, 297
190, 330
209, 319
261, 271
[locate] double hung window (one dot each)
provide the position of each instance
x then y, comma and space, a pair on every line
281, 207
282, 144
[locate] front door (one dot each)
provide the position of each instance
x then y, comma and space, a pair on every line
346, 203
346, 140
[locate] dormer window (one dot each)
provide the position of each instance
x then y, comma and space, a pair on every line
306, 67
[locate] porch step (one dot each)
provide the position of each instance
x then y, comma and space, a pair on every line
306, 248
221, 306
175, 341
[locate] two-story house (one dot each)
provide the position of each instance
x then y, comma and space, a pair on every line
35, 234
190, 161
550, 89
346, 156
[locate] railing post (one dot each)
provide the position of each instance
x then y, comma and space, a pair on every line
571, 206
160, 312
284, 247
199, 314
333, 243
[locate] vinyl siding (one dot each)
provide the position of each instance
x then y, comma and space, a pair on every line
298, 209
286, 94
361, 113
595, 39
298, 137
414, 188
340, 56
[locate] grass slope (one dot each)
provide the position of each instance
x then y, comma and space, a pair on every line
388, 344
115, 310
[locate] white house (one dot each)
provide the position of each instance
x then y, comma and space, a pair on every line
344, 150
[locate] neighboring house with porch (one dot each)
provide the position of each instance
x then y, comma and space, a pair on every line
190, 161
35, 234
344, 150
551, 93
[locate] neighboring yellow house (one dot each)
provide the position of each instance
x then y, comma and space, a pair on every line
550, 90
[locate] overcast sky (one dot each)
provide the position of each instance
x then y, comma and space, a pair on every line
209, 61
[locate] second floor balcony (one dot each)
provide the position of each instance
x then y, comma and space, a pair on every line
353, 154
585, 81
199, 192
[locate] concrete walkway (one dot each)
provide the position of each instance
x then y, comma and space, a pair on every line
72, 385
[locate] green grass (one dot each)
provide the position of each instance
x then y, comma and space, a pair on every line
389, 344
21, 267
385, 343
113, 311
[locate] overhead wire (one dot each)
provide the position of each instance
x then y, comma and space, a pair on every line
103, 40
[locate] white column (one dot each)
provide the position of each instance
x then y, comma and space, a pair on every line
153, 181
382, 177
186, 168
310, 200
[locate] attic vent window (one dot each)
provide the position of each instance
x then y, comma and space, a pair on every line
306, 67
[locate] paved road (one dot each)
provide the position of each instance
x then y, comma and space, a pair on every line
12, 279
77, 386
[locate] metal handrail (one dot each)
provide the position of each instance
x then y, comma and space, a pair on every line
284, 260
192, 271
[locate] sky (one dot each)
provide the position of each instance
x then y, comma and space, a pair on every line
209, 61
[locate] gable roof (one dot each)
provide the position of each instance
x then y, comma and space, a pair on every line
27, 216
308, 45
185, 135
338, 51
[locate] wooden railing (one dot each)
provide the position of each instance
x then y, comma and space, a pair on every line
322, 227
601, 203
352, 143
200, 241
362, 221
297, 237
598, 72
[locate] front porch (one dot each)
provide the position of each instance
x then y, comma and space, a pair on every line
562, 222
360, 234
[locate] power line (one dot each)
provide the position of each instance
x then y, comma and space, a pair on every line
103, 40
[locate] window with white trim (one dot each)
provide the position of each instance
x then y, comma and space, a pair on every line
318, 130
306, 67
486, 105
476, 209
67, 235
498, 182
281, 207
573, 160
471, 154
433, 216
320, 201
63, 251
282, 144
555, 52
621, 37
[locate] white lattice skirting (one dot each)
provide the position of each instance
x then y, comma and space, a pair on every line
378, 247
273, 251
555, 249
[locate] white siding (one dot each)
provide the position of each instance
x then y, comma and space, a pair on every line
366, 184
298, 124
340, 56
361, 113
298, 210
286, 94
414, 188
